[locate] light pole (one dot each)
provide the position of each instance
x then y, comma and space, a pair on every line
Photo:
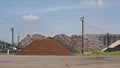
82, 20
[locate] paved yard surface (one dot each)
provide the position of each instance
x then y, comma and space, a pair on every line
12, 61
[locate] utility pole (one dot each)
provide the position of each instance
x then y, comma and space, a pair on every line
12, 29
82, 20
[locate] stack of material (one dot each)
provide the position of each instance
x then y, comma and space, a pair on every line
44, 47
91, 42
72, 43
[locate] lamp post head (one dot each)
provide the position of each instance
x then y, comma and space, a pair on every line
82, 19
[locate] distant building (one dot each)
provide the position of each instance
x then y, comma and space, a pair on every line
108, 39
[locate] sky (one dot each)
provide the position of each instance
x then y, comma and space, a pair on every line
51, 17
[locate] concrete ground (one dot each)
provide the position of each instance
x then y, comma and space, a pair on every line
13, 61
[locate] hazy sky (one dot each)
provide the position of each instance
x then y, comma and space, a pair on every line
50, 17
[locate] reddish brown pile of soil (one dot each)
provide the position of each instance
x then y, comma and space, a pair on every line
44, 47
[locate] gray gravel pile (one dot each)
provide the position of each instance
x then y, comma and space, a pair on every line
30, 38
72, 43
